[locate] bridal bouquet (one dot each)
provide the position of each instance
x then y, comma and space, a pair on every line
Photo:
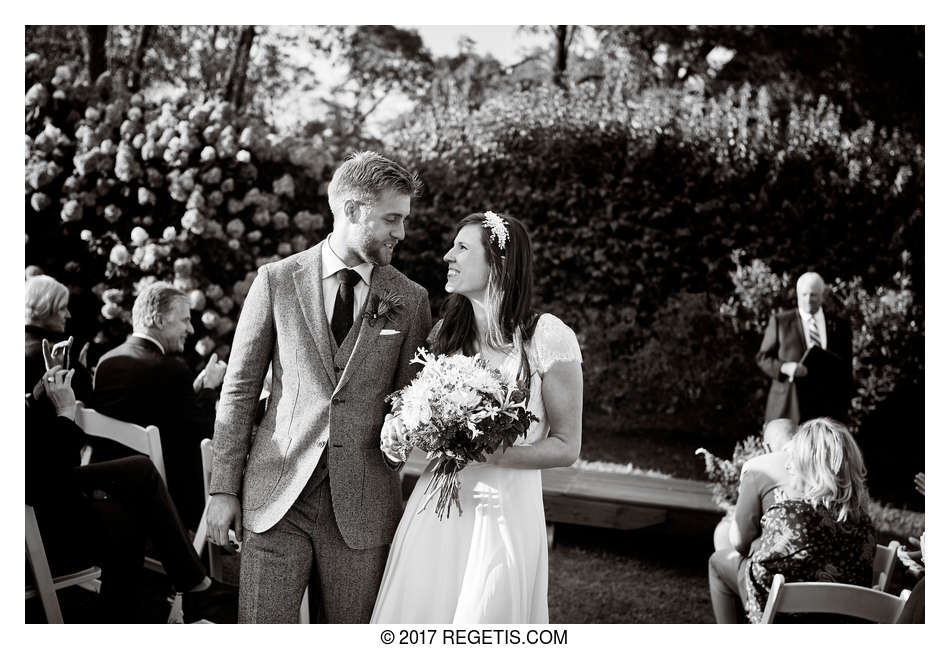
458, 409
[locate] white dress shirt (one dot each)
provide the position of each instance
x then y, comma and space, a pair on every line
820, 319
331, 283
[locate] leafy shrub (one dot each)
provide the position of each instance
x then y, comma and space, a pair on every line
632, 203
886, 322
689, 371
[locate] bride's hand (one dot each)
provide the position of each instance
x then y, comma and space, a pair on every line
496, 458
392, 439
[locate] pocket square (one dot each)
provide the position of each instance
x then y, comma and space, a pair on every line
389, 332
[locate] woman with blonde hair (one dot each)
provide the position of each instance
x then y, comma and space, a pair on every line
825, 534
47, 310
817, 529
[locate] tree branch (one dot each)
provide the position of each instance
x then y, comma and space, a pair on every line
96, 62
135, 76
237, 73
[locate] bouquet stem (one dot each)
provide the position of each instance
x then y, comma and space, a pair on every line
444, 482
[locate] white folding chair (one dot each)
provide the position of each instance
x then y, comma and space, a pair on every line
143, 440
214, 551
885, 558
829, 597
47, 585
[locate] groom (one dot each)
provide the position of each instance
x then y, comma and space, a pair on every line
316, 499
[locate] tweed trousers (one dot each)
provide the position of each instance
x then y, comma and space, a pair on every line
306, 541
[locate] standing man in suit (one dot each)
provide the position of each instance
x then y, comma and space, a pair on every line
819, 386
311, 493
146, 381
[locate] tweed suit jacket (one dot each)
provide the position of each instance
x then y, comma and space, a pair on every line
322, 400
820, 393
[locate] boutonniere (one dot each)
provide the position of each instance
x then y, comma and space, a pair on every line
385, 306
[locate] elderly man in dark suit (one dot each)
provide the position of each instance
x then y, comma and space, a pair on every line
807, 354
146, 381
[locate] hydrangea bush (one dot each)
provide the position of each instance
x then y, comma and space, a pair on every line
122, 191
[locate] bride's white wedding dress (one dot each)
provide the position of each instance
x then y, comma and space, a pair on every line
489, 564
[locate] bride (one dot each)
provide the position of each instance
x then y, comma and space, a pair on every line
489, 564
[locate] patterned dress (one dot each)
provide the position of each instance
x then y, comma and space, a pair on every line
805, 543
489, 565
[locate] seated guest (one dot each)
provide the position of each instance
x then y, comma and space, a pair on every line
759, 482
103, 513
47, 309
823, 533
913, 611
146, 381
763, 480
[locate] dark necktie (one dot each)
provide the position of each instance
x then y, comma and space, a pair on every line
813, 336
343, 306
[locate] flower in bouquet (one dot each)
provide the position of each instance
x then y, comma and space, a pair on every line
725, 474
458, 410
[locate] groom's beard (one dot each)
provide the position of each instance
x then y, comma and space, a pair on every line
377, 253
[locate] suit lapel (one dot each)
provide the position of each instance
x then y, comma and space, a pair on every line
308, 280
369, 330
797, 327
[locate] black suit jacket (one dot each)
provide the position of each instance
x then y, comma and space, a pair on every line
827, 389
135, 382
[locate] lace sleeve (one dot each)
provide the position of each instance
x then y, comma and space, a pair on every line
553, 342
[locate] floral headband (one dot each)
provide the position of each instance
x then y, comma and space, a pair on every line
498, 228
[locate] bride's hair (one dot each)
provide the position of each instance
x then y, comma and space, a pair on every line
511, 318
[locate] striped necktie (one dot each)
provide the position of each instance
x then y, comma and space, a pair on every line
814, 338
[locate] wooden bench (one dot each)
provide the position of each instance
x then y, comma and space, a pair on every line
613, 500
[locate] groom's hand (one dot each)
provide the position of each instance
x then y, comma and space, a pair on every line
392, 439
224, 513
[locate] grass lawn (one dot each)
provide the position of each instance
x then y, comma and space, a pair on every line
596, 576
635, 577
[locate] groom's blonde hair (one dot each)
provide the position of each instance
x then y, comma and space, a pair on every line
364, 176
